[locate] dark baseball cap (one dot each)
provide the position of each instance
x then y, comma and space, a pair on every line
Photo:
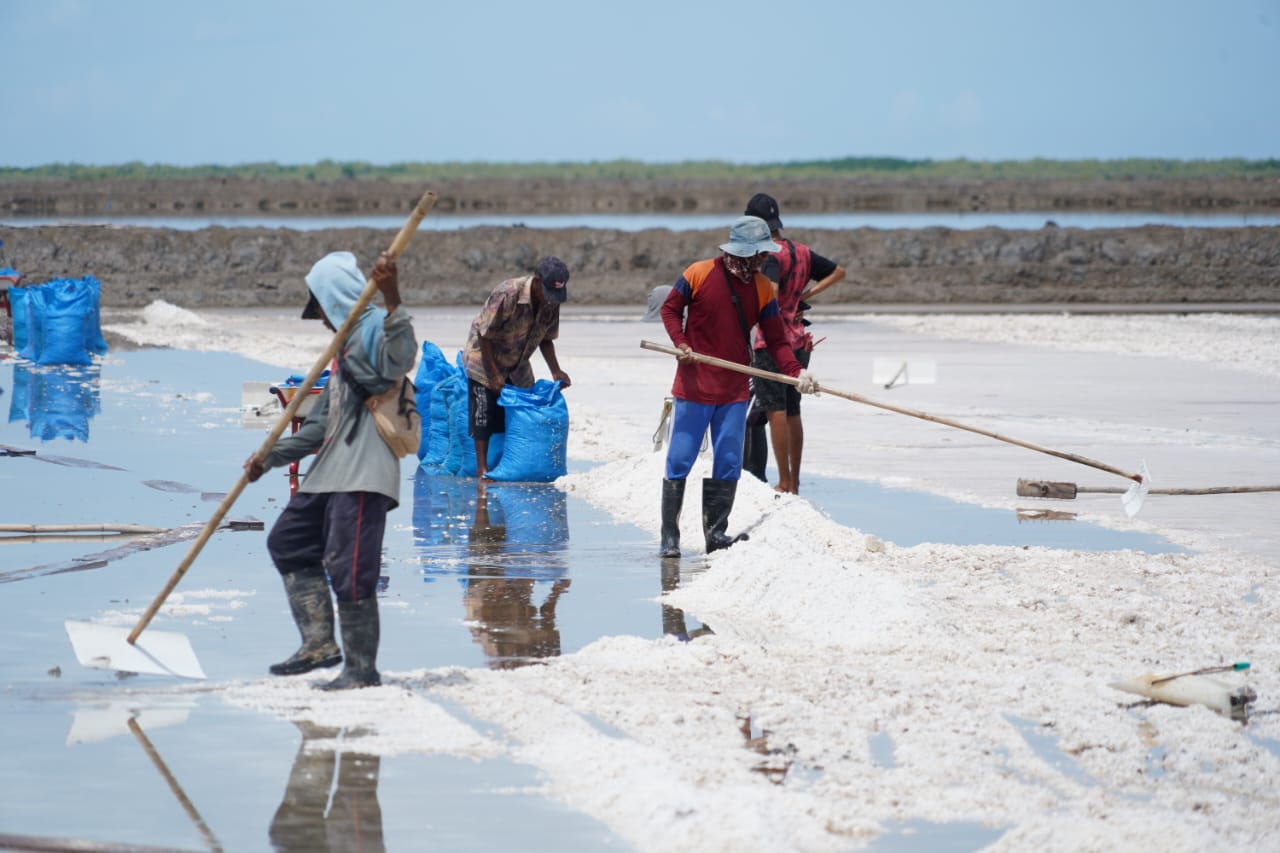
554, 275
311, 311
765, 207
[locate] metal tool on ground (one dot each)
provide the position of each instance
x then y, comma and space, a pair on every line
68, 461
1068, 491
893, 371
167, 653
1195, 688
1131, 500
1240, 666
666, 423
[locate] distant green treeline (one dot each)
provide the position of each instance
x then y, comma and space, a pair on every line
329, 170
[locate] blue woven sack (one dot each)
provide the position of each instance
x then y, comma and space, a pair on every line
444, 396
63, 325
433, 368
28, 329
21, 311
537, 433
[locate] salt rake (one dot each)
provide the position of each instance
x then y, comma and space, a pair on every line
1068, 491
894, 372
1131, 500
168, 653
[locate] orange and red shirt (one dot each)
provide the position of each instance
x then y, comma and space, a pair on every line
699, 311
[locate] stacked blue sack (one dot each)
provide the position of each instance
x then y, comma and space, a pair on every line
58, 322
533, 448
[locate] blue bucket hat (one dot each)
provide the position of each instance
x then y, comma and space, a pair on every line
748, 237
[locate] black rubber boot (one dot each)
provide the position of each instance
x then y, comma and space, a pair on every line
312, 608
359, 623
672, 501
717, 503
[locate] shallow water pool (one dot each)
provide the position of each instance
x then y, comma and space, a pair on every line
500, 578
908, 518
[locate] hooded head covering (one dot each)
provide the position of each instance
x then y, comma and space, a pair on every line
656, 297
335, 282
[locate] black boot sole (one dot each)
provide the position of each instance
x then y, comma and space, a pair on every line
301, 666
341, 683
721, 544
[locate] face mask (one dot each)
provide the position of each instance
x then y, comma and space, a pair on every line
744, 268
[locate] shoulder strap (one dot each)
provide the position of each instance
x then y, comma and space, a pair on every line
742, 318
791, 250
358, 391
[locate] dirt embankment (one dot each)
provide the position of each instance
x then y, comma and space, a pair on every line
239, 196
260, 266
265, 266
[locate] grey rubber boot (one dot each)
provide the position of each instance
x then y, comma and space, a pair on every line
359, 623
672, 501
312, 608
717, 503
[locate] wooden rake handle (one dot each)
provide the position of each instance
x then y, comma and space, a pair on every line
398, 245
924, 416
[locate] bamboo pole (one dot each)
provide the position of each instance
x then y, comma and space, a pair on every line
366, 296
1067, 491
105, 527
924, 416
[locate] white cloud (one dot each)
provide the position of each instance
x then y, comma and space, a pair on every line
905, 109
963, 111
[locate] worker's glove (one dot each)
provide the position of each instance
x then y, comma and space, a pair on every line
806, 382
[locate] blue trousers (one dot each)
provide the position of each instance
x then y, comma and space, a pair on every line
341, 532
690, 421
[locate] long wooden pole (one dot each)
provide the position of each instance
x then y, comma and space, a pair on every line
370, 288
1067, 491
79, 528
924, 416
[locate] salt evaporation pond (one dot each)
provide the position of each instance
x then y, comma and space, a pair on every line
497, 578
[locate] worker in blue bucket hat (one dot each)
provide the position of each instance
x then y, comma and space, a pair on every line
711, 311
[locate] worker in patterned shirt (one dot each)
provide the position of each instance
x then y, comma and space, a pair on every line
521, 315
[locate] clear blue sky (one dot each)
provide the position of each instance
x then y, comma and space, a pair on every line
235, 81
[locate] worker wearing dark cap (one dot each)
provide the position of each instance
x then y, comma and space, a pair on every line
799, 274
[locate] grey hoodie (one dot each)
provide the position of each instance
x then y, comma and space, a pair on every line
379, 351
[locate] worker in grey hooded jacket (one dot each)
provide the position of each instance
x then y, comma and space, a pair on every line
330, 532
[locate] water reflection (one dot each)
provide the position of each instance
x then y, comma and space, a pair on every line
501, 614
101, 722
673, 618
442, 511
331, 799
56, 401
507, 543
